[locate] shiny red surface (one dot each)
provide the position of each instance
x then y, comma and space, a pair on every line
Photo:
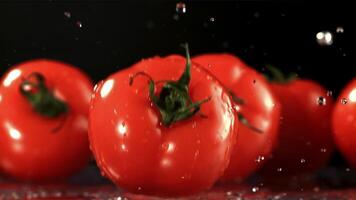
344, 122
136, 152
29, 149
260, 108
305, 138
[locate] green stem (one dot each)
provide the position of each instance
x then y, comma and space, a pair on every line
173, 101
42, 100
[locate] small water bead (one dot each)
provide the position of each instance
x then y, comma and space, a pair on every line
347, 169
302, 160
279, 169
181, 8
324, 38
344, 101
194, 125
321, 101
67, 14
259, 159
339, 29
79, 24
212, 19
323, 150
255, 189
329, 93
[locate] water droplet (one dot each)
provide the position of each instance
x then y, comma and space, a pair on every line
329, 93
316, 189
212, 19
67, 14
344, 101
324, 38
259, 159
139, 188
302, 160
79, 24
347, 169
279, 169
194, 125
255, 189
176, 17
321, 101
181, 8
323, 150
339, 29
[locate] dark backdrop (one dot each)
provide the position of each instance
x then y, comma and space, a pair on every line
115, 34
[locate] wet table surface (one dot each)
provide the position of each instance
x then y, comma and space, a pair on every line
330, 183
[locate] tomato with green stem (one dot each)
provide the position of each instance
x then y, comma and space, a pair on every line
305, 140
255, 101
162, 127
43, 121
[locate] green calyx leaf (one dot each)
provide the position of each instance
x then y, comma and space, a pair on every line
173, 101
42, 100
278, 77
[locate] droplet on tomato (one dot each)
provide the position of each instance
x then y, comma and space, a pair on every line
329, 93
255, 189
344, 101
321, 101
259, 159
181, 8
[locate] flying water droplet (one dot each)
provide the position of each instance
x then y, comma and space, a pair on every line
339, 29
347, 169
279, 169
302, 160
324, 38
323, 150
321, 101
79, 24
344, 101
181, 8
212, 19
67, 14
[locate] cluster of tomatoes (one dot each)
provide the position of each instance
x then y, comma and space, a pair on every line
169, 125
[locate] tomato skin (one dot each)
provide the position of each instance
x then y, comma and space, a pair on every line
260, 108
140, 155
29, 149
305, 138
343, 122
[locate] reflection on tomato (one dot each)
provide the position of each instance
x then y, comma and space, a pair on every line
141, 155
46, 145
259, 107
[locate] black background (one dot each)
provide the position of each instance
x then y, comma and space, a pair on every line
116, 34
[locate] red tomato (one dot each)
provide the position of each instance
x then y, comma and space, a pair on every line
137, 152
46, 138
305, 138
260, 108
344, 122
